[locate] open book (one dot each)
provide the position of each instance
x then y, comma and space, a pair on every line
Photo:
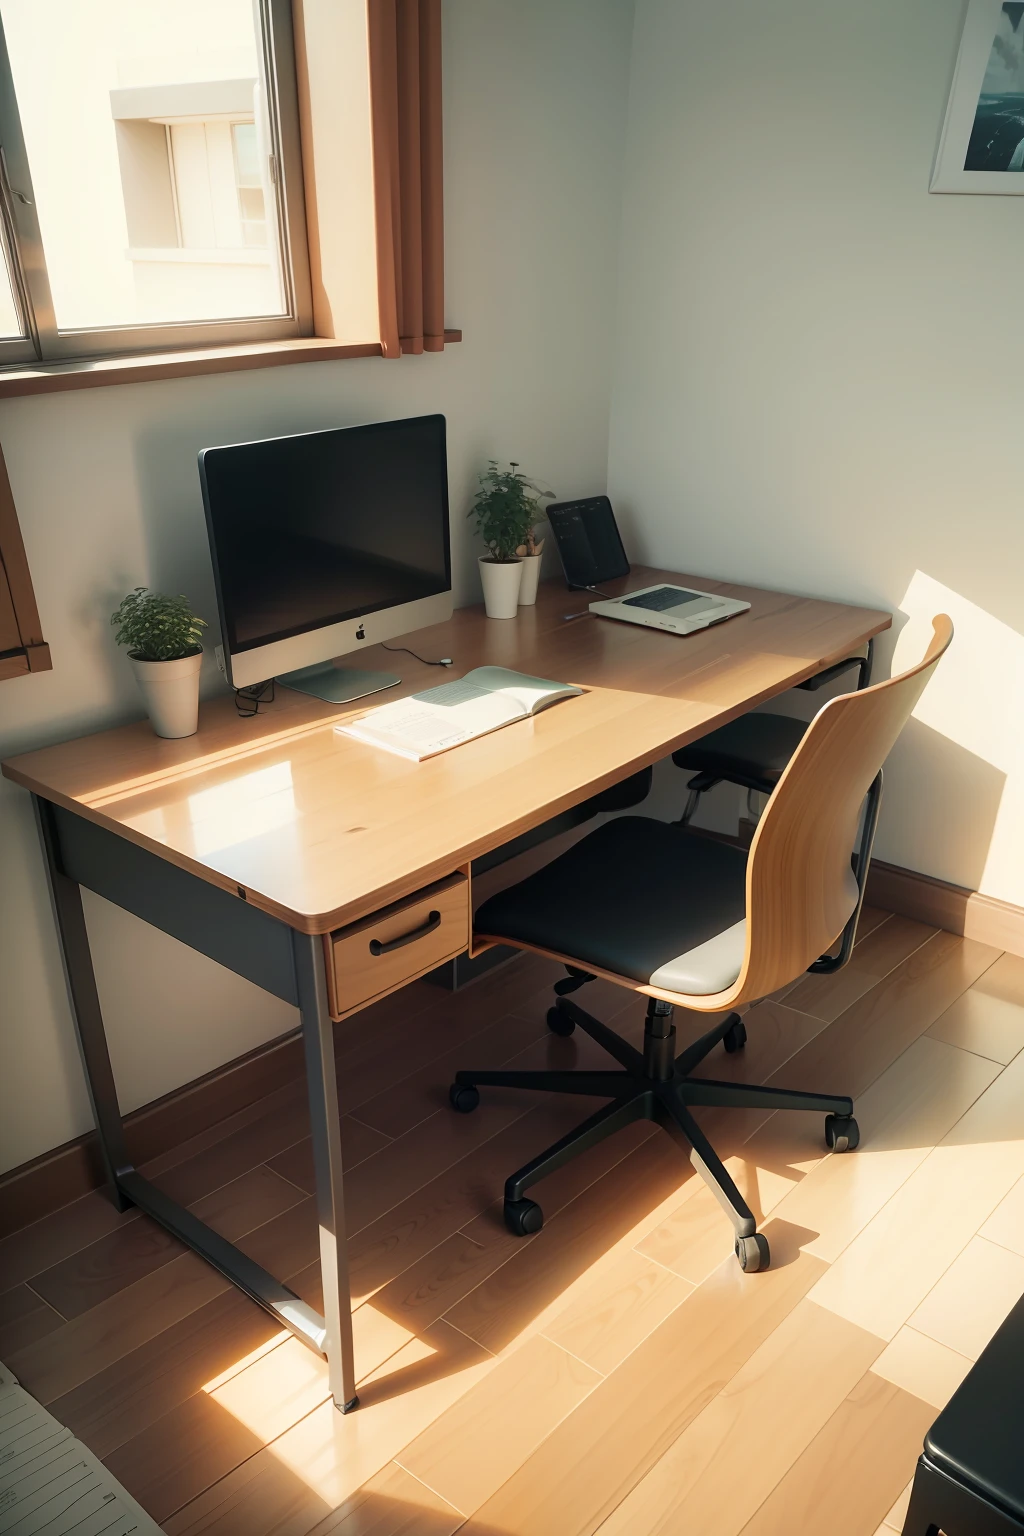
440, 718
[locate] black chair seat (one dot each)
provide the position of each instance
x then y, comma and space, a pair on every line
978, 1438
755, 747
639, 898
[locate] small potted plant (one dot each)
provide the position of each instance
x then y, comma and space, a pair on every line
506, 508
530, 553
164, 640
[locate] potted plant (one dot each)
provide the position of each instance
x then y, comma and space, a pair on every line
506, 508
164, 640
530, 553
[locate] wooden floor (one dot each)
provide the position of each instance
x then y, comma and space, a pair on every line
616, 1372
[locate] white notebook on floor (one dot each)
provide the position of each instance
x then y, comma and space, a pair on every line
440, 718
50, 1484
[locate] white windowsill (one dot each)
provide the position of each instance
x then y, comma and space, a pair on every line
217, 256
88, 373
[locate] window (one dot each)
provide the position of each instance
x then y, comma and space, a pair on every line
151, 184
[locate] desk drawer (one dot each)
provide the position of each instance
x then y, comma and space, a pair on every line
397, 944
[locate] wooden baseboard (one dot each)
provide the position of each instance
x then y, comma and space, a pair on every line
48, 1182
953, 907
927, 899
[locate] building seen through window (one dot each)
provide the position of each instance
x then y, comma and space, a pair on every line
151, 139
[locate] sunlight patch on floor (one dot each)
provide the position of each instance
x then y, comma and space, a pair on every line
275, 1390
335, 1454
280, 1391
868, 1214
243, 1363
922, 1366
283, 1380
891, 1265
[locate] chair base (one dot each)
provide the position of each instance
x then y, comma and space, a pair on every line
657, 1085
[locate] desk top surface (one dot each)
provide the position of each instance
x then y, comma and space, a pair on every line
319, 829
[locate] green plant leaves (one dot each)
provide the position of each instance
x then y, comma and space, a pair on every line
155, 627
506, 507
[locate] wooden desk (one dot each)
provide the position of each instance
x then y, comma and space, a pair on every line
256, 840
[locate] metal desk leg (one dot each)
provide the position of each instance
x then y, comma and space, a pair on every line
318, 1037
329, 1336
80, 978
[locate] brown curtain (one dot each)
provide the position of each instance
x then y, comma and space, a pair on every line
405, 105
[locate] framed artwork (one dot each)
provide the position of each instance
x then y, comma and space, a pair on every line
982, 144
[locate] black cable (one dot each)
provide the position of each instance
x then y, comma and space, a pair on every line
445, 661
596, 591
585, 612
253, 697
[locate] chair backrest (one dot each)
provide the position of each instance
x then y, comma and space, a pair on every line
798, 872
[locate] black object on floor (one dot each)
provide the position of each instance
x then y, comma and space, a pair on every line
970, 1476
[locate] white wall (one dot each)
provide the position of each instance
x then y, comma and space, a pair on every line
107, 491
818, 383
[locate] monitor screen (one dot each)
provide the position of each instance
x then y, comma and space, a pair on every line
311, 530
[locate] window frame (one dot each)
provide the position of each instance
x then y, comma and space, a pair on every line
18, 611
44, 342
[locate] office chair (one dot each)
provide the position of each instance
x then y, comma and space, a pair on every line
753, 750
687, 920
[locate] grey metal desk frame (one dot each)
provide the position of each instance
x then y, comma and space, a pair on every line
277, 958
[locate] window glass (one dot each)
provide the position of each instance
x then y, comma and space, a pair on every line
149, 157
251, 203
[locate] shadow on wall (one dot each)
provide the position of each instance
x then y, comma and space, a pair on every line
171, 503
965, 737
931, 778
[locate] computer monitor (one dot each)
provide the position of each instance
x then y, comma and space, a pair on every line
324, 543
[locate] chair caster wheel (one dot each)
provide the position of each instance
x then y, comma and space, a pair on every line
463, 1098
560, 1023
753, 1253
842, 1133
735, 1037
523, 1217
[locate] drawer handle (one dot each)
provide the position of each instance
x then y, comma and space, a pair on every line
433, 921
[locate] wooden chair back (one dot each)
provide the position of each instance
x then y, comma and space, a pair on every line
798, 872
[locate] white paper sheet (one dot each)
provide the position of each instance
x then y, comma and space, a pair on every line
51, 1484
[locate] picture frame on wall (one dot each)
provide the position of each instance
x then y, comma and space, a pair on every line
982, 143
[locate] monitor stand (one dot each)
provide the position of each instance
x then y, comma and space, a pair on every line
338, 685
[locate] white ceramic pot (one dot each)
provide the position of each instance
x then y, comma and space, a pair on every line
501, 580
171, 692
531, 576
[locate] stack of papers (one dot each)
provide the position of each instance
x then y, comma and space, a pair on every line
50, 1485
